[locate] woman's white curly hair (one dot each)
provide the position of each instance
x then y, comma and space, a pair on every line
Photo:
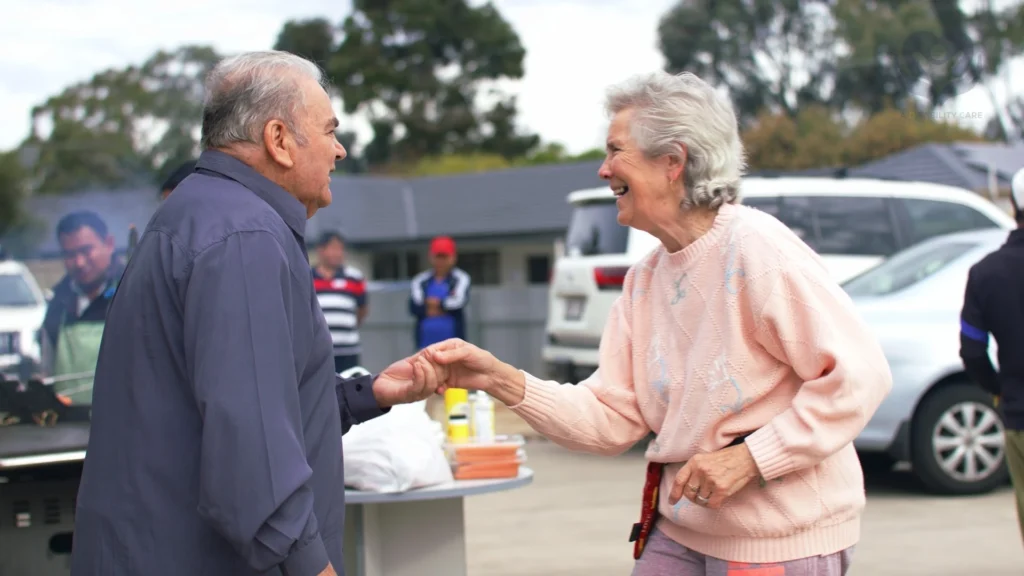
671, 111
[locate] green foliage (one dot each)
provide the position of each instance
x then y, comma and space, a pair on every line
419, 70
892, 131
769, 54
847, 55
99, 129
810, 140
817, 139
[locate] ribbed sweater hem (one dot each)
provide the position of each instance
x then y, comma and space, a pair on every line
817, 541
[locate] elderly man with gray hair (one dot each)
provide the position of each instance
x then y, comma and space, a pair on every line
730, 343
215, 445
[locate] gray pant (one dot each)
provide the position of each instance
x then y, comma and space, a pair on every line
663, 556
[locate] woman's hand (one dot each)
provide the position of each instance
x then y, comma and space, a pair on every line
472, 368
708, 479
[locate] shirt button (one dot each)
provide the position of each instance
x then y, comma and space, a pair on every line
359, 387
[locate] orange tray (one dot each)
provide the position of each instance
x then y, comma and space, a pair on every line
486, 470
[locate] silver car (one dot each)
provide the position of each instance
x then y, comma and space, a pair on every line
936, 419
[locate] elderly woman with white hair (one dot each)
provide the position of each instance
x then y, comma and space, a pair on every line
730, 343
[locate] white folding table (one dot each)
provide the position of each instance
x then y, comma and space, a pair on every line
416, 533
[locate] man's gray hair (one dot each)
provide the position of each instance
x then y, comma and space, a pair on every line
672, 112
246, 91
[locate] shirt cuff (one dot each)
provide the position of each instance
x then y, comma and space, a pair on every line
359, 398
309, 559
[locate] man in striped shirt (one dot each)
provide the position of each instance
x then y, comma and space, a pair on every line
341, 291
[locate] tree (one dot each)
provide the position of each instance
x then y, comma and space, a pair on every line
818, 138
813, 139
12, 192
122, 126
770, 54
891, 131
417, 69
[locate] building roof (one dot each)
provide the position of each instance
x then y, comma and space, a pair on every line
516, 201
961, 164
118, 208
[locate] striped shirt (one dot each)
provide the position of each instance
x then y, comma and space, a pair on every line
341, 298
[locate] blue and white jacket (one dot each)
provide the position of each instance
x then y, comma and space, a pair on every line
454, 305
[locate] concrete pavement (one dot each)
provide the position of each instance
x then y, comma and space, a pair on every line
575, 518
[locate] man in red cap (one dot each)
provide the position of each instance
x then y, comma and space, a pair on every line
439, 296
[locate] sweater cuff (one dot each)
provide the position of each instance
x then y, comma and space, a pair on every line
769, 453
538, 399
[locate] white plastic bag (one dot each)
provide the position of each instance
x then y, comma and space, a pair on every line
399, 451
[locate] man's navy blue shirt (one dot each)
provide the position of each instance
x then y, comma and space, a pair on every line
217, 417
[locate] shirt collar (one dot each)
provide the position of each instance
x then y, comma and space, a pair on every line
287, 206
1016, 237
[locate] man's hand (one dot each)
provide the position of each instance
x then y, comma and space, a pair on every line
409, 380
708, 479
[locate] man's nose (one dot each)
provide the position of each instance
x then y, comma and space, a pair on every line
604, 172
340, 152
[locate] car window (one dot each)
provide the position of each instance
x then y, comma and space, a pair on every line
594, 229
769, 204
855, 226
906, 268
14, 291
929, 218
795, 212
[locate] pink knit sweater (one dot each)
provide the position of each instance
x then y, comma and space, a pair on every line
741, 331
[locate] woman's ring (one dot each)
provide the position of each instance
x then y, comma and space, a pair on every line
702, 500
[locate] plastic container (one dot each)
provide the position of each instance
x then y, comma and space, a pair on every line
488, 460
456, 409
481, 421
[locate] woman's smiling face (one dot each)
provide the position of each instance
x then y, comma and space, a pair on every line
643, 187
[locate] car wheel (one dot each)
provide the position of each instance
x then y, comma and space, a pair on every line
957, 440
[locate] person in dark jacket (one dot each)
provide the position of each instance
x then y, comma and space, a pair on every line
76, 315
179, 174
217, 417
438, 297
994, 304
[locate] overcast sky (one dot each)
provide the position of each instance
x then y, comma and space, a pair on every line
575, 48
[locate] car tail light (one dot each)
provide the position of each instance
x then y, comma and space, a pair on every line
610, 278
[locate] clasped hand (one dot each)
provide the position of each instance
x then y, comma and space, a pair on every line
453, 363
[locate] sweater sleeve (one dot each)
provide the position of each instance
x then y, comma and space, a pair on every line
600, 414
809, 323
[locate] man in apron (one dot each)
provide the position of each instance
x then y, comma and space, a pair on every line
73, 326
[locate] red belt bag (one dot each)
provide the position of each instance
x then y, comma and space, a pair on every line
648, 510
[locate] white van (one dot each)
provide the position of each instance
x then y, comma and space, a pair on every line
853, 223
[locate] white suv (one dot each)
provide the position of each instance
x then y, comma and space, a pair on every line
22, 308
852, 223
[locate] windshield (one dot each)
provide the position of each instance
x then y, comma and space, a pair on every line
906, 269
14, 291
594, 230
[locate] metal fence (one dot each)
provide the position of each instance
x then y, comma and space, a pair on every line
507, 321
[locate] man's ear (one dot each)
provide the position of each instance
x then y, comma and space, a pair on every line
279, 142
109, 242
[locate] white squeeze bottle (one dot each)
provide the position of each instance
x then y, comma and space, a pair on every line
483, 417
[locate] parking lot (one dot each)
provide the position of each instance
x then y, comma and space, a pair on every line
575, 517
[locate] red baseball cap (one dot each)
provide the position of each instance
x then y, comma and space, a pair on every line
442, 245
